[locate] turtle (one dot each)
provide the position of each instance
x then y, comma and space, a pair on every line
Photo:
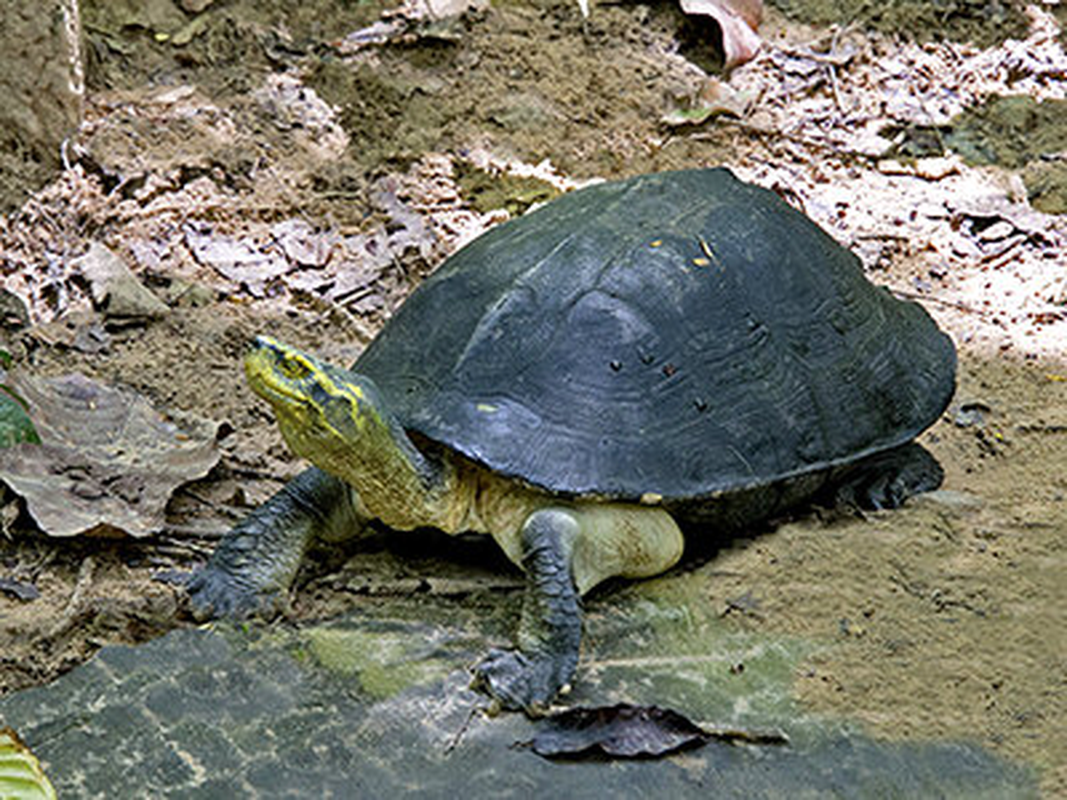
677, 350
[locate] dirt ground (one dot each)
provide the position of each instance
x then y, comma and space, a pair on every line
260, 170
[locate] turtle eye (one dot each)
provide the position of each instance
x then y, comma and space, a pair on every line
293, 368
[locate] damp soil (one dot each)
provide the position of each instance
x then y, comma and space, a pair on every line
1017, 132
1021, 134
941, 621
983, 22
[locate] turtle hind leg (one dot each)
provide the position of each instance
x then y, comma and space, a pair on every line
887, 479
565, 552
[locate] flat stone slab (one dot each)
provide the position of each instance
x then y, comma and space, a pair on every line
369, 706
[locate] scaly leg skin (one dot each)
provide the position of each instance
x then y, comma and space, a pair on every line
551, 628
254, 565
886, 480
567, 551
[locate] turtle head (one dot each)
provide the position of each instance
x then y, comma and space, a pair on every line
339, 421
324, 412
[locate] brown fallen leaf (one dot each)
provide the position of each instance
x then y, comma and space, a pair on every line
628, 731
739, 20
412, 20
716, 99
107, 462
115, 289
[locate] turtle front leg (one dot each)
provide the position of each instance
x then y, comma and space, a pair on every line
550, 631
254, 565
565, 552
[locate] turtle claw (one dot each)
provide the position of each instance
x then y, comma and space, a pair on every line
250, 573
520, 682
215, 593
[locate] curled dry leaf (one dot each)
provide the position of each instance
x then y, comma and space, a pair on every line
107, 462
115, 289
628, 731
739, 20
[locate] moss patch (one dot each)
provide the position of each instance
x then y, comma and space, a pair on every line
1019, 132
222, 49
664, 643
485, 191
1015, 132
986, 23
385, 663
1046, 186
1010, 131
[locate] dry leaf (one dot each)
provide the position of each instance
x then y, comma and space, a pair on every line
716, 99
628, 731
240, 260
107, 460
115, 289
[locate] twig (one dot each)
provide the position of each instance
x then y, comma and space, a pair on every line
833, 88
926, 298
835, 149
169, 546
182, 533
461, 732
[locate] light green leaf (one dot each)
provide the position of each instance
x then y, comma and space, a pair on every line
21, 776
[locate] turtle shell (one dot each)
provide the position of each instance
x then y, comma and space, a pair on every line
679, 334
